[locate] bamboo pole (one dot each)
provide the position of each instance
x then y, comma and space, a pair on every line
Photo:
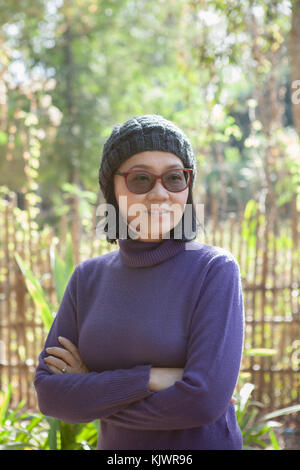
8, 302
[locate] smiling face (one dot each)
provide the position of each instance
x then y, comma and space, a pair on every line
151, 225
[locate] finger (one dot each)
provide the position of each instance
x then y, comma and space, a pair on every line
54, 369
69, 346
54, 361
62, 354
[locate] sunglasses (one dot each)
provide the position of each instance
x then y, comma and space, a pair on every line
142, 181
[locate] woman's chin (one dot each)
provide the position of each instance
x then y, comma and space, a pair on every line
155, 233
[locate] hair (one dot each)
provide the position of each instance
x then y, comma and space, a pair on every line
185, 237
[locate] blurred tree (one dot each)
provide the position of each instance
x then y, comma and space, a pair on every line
243, 50
219, 69
295, 62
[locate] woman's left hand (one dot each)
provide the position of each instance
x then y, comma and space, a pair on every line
66, 359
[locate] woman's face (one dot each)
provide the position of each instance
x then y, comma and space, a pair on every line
151, 226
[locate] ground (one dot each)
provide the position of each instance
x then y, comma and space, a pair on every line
289, 434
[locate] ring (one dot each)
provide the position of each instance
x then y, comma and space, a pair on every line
64, 370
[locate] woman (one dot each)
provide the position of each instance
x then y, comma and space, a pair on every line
148, 338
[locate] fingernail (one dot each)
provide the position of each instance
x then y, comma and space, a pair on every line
61, 338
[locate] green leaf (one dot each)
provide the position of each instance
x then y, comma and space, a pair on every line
274, 440
54, 428
256, 352
62, 269
247, 418
245, 393
37, 293
4, 405
34, 422
22, 445
69, 264
282, 412
250, 209
3, 138
58, 273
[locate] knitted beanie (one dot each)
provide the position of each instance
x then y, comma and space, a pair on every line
138, 134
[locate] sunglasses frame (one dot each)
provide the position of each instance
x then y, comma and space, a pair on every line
157, 177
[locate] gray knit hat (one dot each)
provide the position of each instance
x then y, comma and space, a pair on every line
138, 134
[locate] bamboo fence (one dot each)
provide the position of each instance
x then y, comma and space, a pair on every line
269, 261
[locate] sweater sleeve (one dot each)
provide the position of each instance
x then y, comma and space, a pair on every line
213, 360
79, 398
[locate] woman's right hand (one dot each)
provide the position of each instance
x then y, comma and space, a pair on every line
164, 377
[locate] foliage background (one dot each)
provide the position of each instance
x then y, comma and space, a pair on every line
220, 69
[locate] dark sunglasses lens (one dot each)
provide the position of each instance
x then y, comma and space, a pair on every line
140, 182
176, 180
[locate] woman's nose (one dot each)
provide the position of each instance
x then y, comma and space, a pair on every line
159, 190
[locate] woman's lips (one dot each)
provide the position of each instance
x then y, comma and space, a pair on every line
158, 213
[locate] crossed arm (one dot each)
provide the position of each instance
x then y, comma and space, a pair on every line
68, 357
146, 397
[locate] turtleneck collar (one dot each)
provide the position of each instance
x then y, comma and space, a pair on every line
138, 254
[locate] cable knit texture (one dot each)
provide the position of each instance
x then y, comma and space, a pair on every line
151, 304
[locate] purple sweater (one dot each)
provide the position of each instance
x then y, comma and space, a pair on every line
160, 304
